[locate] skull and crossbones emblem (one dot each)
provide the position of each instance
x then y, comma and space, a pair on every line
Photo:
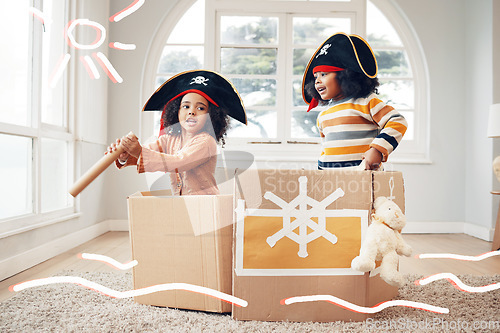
324, 50
199, 80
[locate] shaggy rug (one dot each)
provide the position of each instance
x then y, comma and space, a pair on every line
72, 308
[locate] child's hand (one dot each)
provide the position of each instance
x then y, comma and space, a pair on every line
131, 145
112, 147
373, 159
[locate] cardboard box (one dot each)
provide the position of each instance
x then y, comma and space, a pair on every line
296, 235
185, 239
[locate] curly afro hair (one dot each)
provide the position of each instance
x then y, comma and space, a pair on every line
218, 116
352, 84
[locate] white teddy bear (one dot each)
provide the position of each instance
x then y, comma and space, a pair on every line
383, 241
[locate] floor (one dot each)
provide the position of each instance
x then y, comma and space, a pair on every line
117, 246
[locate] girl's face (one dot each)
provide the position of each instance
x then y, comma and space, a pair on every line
327, 85
193, 113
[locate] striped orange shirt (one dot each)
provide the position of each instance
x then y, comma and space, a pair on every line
350, 127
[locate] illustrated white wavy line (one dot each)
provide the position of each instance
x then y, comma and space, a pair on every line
90, 66
458, 256
122, 46
130, 293
127, 11
108, 260
61, 66
38, 14
108, 67
362, 309
457, 283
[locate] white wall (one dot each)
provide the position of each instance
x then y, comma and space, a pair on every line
124, 100
91, 109
434, 193
479, 89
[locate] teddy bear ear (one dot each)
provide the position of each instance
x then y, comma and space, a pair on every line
379, 201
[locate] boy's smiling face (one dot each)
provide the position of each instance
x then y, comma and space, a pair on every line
327, 85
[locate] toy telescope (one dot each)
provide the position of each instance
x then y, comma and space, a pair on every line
101, 165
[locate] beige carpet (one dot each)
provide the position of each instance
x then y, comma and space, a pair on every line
72, 308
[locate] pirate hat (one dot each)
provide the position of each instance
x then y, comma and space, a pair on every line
211, 85
340, 51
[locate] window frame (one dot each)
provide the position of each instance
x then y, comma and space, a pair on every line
417, 151
280, 148
36, 130
303, 150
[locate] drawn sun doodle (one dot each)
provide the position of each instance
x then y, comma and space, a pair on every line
87, 60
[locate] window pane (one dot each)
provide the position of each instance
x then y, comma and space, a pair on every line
304, 124
176, 59
160, 80
392, 63
380, 31
248, 61
297, 94
14, 62
248, 30
54, 174
313, 30
157, 123
53, 50
398, 93
301, 59
191, 27
262, 125
15, 176
255, 92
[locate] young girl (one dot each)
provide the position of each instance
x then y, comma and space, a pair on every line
196, 106
354, 125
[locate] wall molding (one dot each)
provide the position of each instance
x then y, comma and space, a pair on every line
479, 231
118, 225
474, 230
20, 262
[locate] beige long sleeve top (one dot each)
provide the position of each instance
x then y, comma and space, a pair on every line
191, 164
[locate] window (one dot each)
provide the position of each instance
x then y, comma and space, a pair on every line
35, 142
264, 48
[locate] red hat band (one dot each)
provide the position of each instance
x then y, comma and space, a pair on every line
326, 68
199, 92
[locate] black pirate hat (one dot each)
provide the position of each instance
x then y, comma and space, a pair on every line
341, 51
211, 85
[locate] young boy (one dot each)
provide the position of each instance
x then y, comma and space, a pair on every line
356, 125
